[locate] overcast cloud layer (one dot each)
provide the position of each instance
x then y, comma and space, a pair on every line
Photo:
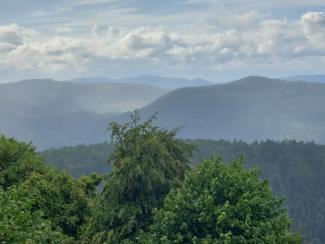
217, 40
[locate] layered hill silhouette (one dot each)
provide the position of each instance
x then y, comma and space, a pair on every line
163, 82
55, 114
52, 114
308, 78
253, 108
71, 97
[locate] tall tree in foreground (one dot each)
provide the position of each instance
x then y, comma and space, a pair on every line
221, 204
147, 162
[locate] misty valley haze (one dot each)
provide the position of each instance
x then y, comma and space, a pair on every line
55, 114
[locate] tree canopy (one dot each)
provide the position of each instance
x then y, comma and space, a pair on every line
39, 203
221, 204
147, 162
19, 223
17, 161
150, 196
294, 169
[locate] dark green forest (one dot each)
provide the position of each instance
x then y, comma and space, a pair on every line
295, 170
151, 194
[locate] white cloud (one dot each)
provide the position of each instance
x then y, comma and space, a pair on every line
313, 24
261, 41
14, 35
218, 19
54, 55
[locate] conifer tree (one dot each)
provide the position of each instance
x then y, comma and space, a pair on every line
147, 162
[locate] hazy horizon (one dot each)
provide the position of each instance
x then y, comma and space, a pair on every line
212, 40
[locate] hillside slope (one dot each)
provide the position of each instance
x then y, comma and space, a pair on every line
71, 97
163, 82
54, 114
253, 108
307, 78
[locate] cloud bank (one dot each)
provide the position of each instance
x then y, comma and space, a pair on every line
248, 41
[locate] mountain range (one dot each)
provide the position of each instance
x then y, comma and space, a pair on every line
70, 97
162, 82
51, 113
55, 114
253, 108
307, 78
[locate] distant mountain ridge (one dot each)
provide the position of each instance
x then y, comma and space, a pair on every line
162, 82
248, 109
308, 78
53, 113
253, 108
67, 96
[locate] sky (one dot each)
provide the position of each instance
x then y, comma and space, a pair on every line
218, 40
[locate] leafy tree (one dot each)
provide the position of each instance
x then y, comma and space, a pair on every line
61, 198
89, 184
221, 204
284, 164
80, 160
20, 224
147, 162
17, 161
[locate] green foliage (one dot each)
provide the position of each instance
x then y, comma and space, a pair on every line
215, 203
61, 198
41, 192
147, 163
20, 224
295, 170
17, 161
80, 160
89, 184
221, 204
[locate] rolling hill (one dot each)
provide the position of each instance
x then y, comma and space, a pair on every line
72, 97
307, 78
253, 108
56, 114
162, 82
53, 114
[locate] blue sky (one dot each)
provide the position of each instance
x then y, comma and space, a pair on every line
214, 39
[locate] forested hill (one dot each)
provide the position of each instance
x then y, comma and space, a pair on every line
253, 108
58, 96
295, 170
54, 114
308, 78
157, 81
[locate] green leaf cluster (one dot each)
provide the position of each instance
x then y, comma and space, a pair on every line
17, 161
19, 223
147, 163
39, 204
221, 204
